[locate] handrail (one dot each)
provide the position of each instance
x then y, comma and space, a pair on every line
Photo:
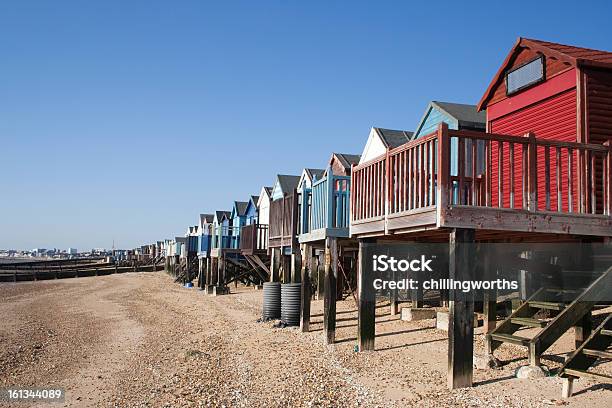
461, 167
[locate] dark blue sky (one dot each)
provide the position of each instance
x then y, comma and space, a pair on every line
125, 119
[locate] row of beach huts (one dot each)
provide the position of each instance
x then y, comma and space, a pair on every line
531, 162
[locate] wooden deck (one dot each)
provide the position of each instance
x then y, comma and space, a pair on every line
449, 179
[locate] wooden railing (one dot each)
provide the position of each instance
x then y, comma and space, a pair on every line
412, 174
222, 237
527, 173
451, 167
283, 220
368, 190
254, 237
329, 203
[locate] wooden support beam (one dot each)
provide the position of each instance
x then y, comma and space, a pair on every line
393, 304
320, 278
306, 295
489, 306
329, 301
462, 263
274, 265
296, 267
286, 268
366, 299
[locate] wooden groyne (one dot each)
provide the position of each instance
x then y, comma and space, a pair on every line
72, 268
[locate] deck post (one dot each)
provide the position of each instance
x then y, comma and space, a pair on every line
330, 295
366, 299
215, 281
221, 271
489, 306
584, 326
393, 305
320, 277
532, 201
274, 277
296, 267
208, 279
442, 192
306, 296
462, 262
286, 268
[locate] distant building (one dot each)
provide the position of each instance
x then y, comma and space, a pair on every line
72, 251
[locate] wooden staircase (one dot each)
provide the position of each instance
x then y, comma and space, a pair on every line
569, 314
594, 348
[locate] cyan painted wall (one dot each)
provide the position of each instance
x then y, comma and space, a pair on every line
431, 121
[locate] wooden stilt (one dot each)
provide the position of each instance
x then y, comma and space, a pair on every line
489, 306
366, 300
305, 279
274, 265
393, 309
320, 277
286, 268
296, 268
222, 265
461, 310
329, 302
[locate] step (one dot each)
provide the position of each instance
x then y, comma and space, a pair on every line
606, 332
510, 338
588, 374
564, 290
597, 353
546, 305
526, 321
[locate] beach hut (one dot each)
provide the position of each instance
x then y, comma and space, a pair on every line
251, 212
254, 236
545, 177
557, 100
238, 219
323, 233
304, 190
282, 241
380, 140
263, 205
204, 241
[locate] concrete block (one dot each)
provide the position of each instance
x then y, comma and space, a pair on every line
417, 313
442, 321
219, 290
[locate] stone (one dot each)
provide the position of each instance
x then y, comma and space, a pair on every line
417, 313
529, 371
486, 361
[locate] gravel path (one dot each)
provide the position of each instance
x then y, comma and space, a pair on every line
140, 340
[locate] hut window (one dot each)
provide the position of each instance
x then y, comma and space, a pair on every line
525, 76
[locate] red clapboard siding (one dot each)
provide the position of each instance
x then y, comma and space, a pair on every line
552, 118
599, 105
